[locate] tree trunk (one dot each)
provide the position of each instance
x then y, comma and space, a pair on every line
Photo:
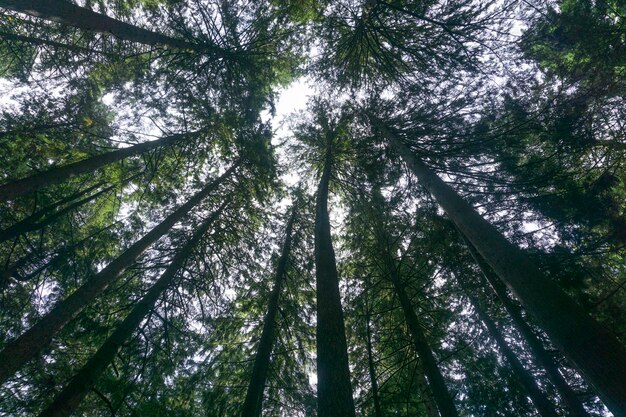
424, 391
70, 397
595, 351
11, 271
566, 392
334, 391
442, 396
30, 223
80, 17
31, 342
541, 403
254, 395
370, 362
56, 175
45, 42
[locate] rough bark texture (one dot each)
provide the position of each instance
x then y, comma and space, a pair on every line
334, 391
595, 351
254, 395
31, 342
56, 175
541, 403
536, 347
80, 17
70, 397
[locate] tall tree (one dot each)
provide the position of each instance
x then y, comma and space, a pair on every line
539, 352
254, 395
595, 351
30, 343
334, 391
70, 14
56, 175
69, 399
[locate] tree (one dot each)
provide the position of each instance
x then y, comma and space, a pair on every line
254, 395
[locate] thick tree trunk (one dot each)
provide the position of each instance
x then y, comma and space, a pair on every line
536, 347
370, 363
80, 17
31, 342
56, 175
541, 403
254, 395
442, 396
334, 391
594, 350
70, 397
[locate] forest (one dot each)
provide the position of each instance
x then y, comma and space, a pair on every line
291, 208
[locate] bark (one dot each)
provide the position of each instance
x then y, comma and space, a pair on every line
541, 403
442, 396
334, 391
595, 351
70, 397
83, 18
254, 395
56, 175
31, 342
540, 354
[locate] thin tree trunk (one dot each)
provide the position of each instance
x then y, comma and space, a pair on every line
254, 395
424, 391
30, 224
45, 42
595, 351
56, 175
70, 397
442, 396
566, 392
370, 362
83, 18
12, 270
31, 342
440, 391
334, 390
541, 403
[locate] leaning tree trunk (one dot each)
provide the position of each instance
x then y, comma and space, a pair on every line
254, 395
541, 403
334, 391
31, 342
13, 270
595, 351
45, 42
30, 223
442, 396
70, 397
80, 17
56, 175
566, 392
